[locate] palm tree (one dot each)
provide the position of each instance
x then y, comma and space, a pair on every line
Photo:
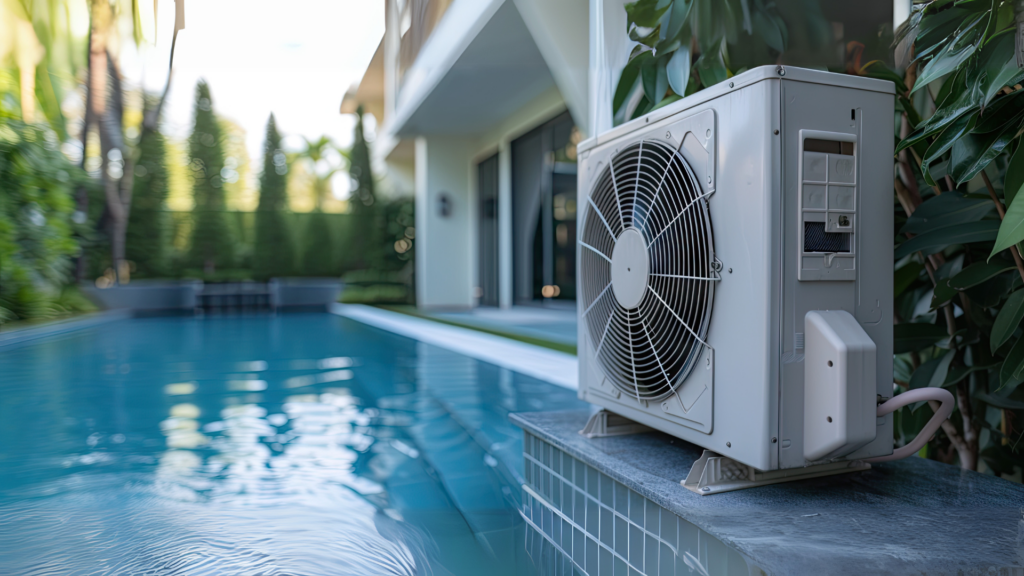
45, 48
319, 257
317, 155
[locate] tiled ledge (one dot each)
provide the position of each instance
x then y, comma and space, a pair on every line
913, 516
21, 335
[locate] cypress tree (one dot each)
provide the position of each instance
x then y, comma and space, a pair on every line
147, 235
274, 253
211, 238
367, 242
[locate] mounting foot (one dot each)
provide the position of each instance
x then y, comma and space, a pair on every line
713, 473
604, 423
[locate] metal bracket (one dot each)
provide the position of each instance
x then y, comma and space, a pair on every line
604, 423
713, 473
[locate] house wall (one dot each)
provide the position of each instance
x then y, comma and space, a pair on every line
444, 244
446, 248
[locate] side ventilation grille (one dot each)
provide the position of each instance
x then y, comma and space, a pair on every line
817, 240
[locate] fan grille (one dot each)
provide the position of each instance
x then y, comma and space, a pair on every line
648, 351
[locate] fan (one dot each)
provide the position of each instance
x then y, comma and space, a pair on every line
647, 269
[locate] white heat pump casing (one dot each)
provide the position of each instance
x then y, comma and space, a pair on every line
744, 141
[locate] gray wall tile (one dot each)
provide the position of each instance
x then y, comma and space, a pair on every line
651, 551
592, 554
668, 531
666, 562
652, 517
621, 537
636, 547
636, 508
607, 527
620, 568
593, 520
604, 563
607, 493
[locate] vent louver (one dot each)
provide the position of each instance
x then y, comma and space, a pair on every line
647, 269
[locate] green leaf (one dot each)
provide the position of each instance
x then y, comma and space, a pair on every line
1011, 231
945, 115
655, 78
709, 24
953, 54
678, 69
945, 141
642, 107
1002, 112
946, 210
990, 294
998, 402
1013, 363
973, 152
1007, 320
958, 373
933, 372
942, 293
644, 13
976, 274
937, 29
1014, 178
711, 68
911, 337
999, 66
905, 276
646, 36
672, 22
768, 30
666, 101
936, 240
629, 82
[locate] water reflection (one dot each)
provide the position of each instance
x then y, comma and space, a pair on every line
135, 460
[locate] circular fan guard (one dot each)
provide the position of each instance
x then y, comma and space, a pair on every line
647, 351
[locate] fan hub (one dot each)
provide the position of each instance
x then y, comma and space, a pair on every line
629, 268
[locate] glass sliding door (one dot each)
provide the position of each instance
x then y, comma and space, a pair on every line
544, 212
487, 251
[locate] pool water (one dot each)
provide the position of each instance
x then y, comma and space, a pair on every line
288, 444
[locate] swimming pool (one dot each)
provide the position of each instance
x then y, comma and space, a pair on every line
288, 444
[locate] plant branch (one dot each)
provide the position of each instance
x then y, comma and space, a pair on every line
1002, 214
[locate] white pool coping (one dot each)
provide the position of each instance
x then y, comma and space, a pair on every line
551, 366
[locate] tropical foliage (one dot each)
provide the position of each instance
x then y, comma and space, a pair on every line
959, 277
38, 222
319, 252
683, 46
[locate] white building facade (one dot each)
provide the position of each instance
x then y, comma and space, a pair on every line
479, 105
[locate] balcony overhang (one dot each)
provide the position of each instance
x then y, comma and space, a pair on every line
369, 92
480, 65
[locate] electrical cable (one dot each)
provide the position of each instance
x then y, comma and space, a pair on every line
910, 397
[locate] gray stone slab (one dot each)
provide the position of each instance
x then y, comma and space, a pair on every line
913, 516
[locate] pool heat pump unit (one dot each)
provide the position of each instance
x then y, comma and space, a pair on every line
735, 275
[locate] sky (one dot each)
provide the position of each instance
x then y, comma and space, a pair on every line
295, 59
